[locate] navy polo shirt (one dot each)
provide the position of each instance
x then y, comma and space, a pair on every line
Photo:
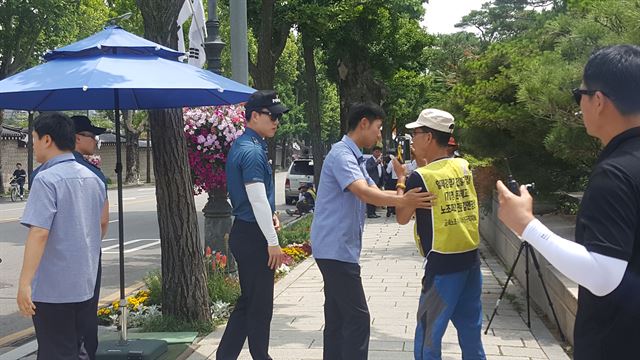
94, 169
247, 163
608, 223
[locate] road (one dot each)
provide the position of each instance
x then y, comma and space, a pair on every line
142, 246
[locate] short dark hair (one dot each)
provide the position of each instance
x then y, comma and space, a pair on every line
441, 137
59, 127
377, 148
18, 164
368, 110
615, 70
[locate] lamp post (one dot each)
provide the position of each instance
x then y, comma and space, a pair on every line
217, 211
239, 41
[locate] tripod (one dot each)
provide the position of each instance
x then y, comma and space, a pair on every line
527, 250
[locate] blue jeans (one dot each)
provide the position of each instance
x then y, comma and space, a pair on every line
454, 297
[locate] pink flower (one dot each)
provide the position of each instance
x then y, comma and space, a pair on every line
209, 132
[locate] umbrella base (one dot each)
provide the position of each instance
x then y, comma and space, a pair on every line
131, 350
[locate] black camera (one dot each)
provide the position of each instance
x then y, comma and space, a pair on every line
514, 187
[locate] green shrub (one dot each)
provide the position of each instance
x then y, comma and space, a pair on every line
153, 282
297, 233
223, 287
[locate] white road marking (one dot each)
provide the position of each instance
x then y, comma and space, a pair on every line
154, 242
12, 209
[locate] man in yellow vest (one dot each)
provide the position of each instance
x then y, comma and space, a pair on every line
447, 236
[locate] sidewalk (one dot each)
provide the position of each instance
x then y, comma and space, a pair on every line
391, 273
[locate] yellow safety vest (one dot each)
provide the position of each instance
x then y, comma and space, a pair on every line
313, 193
455, 215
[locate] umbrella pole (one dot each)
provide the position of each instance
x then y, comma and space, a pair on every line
123, 302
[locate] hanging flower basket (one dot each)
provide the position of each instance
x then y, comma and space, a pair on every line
210, 131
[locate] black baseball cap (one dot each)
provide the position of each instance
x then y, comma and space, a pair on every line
268, 99
82, 123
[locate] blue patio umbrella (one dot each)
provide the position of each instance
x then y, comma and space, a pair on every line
114, 69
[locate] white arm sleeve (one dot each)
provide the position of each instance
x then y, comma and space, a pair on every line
262, 211
598, 273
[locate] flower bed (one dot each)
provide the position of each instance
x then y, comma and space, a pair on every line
224, 289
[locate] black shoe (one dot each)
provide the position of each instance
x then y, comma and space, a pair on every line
373, 216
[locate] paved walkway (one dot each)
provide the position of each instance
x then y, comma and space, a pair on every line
391, 272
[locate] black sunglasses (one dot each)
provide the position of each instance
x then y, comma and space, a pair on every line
577, 94
274, 117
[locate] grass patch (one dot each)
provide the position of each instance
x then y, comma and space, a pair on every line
170, 324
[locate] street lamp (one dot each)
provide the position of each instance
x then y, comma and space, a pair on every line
217, 211
213, 45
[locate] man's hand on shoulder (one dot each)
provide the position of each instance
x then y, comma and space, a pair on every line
419, 200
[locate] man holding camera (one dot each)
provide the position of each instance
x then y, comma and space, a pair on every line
447, 236
605, 259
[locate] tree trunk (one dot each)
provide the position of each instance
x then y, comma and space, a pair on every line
132, 135
283, 153
271, 42
184, 280
132, 175
356, 83
312, 107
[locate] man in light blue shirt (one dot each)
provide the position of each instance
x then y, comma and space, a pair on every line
336, 232
64, 213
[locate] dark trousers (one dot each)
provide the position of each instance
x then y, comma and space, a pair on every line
60, 329
21, 185
390, 184
251, 317
90, 337
346, 315
371, 209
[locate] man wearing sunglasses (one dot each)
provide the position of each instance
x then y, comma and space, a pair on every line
253, 239
87, 145
605, 258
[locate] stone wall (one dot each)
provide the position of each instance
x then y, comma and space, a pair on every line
562, 291
14, 151
108, 154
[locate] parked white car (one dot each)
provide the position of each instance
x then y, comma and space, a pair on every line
300, 171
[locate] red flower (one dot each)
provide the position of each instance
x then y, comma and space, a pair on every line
223, 261
207, 252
